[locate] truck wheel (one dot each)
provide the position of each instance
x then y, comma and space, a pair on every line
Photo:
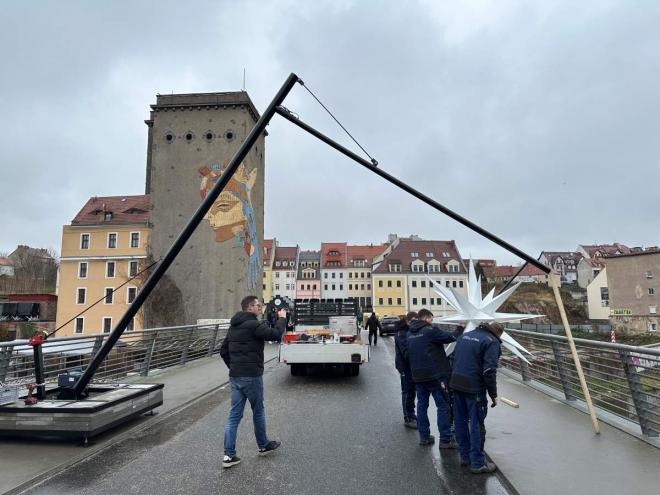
347, 369
355, 369
295, 369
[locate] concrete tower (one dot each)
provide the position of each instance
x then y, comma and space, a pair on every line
191, 139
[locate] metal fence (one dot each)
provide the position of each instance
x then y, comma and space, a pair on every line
599, 328
623, 380
137, 353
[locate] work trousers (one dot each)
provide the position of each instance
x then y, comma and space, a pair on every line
374, 334
408, 396
437, 389
246, 388
469, 415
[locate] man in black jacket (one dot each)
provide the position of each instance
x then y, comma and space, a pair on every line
373, 325
243, 353
430, 372
403, 367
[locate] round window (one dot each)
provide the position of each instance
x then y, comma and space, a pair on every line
189, 136
229, 135
169, 137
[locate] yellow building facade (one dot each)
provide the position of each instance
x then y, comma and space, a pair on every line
102, 251
390, 294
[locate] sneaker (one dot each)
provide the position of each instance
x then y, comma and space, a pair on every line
448, 445
229, 461
465, 462
411, 424
272, 445
427, 441
488, 467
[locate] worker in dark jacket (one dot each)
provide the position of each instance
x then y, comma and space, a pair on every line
430, 372
403, 367
243, 352
373, 325
475, 373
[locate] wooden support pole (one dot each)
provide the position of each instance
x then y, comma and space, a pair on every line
554, 278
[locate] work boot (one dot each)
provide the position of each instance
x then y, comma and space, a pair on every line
488, 467
412, 423
448, 445
427, 441
229, 461
270, 446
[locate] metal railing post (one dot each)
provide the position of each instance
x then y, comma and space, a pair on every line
5, 357
149, 356
213, 340
184, 353
562, 371
637, 394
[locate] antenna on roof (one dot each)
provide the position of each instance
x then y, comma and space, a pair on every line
243, 78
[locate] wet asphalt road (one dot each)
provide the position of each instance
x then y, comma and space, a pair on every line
339, 435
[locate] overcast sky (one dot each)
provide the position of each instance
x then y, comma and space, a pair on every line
539, 121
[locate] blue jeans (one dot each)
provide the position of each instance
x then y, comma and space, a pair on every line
246, 388
438, 389
469, 414
408, 396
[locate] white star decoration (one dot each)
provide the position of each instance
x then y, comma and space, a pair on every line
475, 310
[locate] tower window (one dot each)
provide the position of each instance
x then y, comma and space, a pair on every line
189, 136
169, 137
209, 136
229, 135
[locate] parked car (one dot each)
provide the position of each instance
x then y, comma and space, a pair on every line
388, 325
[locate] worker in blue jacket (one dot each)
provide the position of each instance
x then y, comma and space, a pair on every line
474, 375
430, 371
403, 367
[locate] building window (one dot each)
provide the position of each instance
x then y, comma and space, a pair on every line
334, 287
460, 284
341, 286
264, 286
81, 295
429, 255
398, 283
414, 283
334, 275
413, 255
380, 301
325, 286
135, 239
380, 283
107, 324
446, 254
109, 295
131, 325
414, 301
653, 327
389, 283
350, 286
651, 291
277, 274
82, 269
112, 240
277, 286
389, 301
453, 283
361, 286
368, 286
604, 297
647, 274
131, 292
447, 283
652, 310
350, 274
314, 287
79, 325
368, 275
133, 268
110, 269
277, 263
423, 301
398, 301
341, 275
423, 283
84, 241
288, 287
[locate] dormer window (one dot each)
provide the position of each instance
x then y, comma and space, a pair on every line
446, 254
413, 255
429, 255
107, 216
395, 267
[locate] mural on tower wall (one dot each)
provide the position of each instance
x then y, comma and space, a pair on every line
232, 216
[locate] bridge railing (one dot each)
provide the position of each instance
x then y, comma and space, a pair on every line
137, 353
623, 380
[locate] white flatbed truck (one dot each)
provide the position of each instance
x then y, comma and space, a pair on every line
324, 334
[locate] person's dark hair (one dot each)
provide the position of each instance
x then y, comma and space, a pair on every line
424, 313
411, 316
248, 301
496, 329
